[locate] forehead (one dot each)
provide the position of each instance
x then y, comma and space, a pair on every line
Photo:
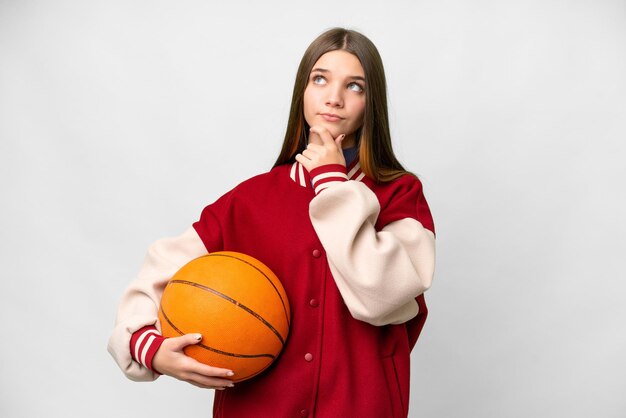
340, 62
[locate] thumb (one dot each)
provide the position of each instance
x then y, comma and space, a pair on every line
187, 339
340, 139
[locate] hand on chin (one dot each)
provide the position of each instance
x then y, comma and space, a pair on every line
314, 137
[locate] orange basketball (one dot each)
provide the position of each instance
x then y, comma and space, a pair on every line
236, 303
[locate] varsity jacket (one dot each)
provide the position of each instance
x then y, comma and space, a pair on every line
354, 257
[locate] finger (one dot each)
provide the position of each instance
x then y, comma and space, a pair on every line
309, 154
339, 140
315, 147
190, 365
209, 382
314, 138
324, 134
209, 371
201, 386
304, 161
183, 341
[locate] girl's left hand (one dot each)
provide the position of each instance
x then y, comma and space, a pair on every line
323, 149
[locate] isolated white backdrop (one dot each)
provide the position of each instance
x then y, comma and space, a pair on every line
120, 120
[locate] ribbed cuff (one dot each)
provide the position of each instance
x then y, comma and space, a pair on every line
326, 175
144, 344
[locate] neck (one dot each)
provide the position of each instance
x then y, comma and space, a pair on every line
349, 142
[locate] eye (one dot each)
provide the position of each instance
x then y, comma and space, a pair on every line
318, 79
355, 87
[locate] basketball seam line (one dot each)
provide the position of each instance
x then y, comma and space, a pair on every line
234, 302
226, 353
264, 275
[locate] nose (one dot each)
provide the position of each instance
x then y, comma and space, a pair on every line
335, 96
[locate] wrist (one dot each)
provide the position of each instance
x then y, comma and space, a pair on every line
327, 175
144, 344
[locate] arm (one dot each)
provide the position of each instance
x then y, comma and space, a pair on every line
140, 302
379, 273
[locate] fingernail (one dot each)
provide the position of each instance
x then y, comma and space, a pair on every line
232, 385
198, 337
230, 374
343, 136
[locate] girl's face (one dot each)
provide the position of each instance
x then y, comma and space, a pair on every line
335, 95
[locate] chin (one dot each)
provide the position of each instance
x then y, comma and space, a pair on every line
334, 130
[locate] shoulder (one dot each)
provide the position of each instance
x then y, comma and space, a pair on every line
260, 180
406, 186
258, 185
280, 172
246, 194
403, 198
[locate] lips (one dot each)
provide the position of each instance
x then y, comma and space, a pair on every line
331, 117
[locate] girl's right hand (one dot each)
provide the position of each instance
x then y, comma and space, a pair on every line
172, 361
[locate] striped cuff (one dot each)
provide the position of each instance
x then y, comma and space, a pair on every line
144, 344
326, 175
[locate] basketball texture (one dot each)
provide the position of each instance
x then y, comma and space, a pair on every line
236, 303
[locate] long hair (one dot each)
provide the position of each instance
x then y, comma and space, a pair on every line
373, 138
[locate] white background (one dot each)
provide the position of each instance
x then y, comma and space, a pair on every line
120, 120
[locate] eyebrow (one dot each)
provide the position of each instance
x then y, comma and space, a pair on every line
324, 70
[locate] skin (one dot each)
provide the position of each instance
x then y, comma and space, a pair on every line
172, 361
336, 87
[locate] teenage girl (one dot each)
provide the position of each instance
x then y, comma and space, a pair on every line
345, 228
